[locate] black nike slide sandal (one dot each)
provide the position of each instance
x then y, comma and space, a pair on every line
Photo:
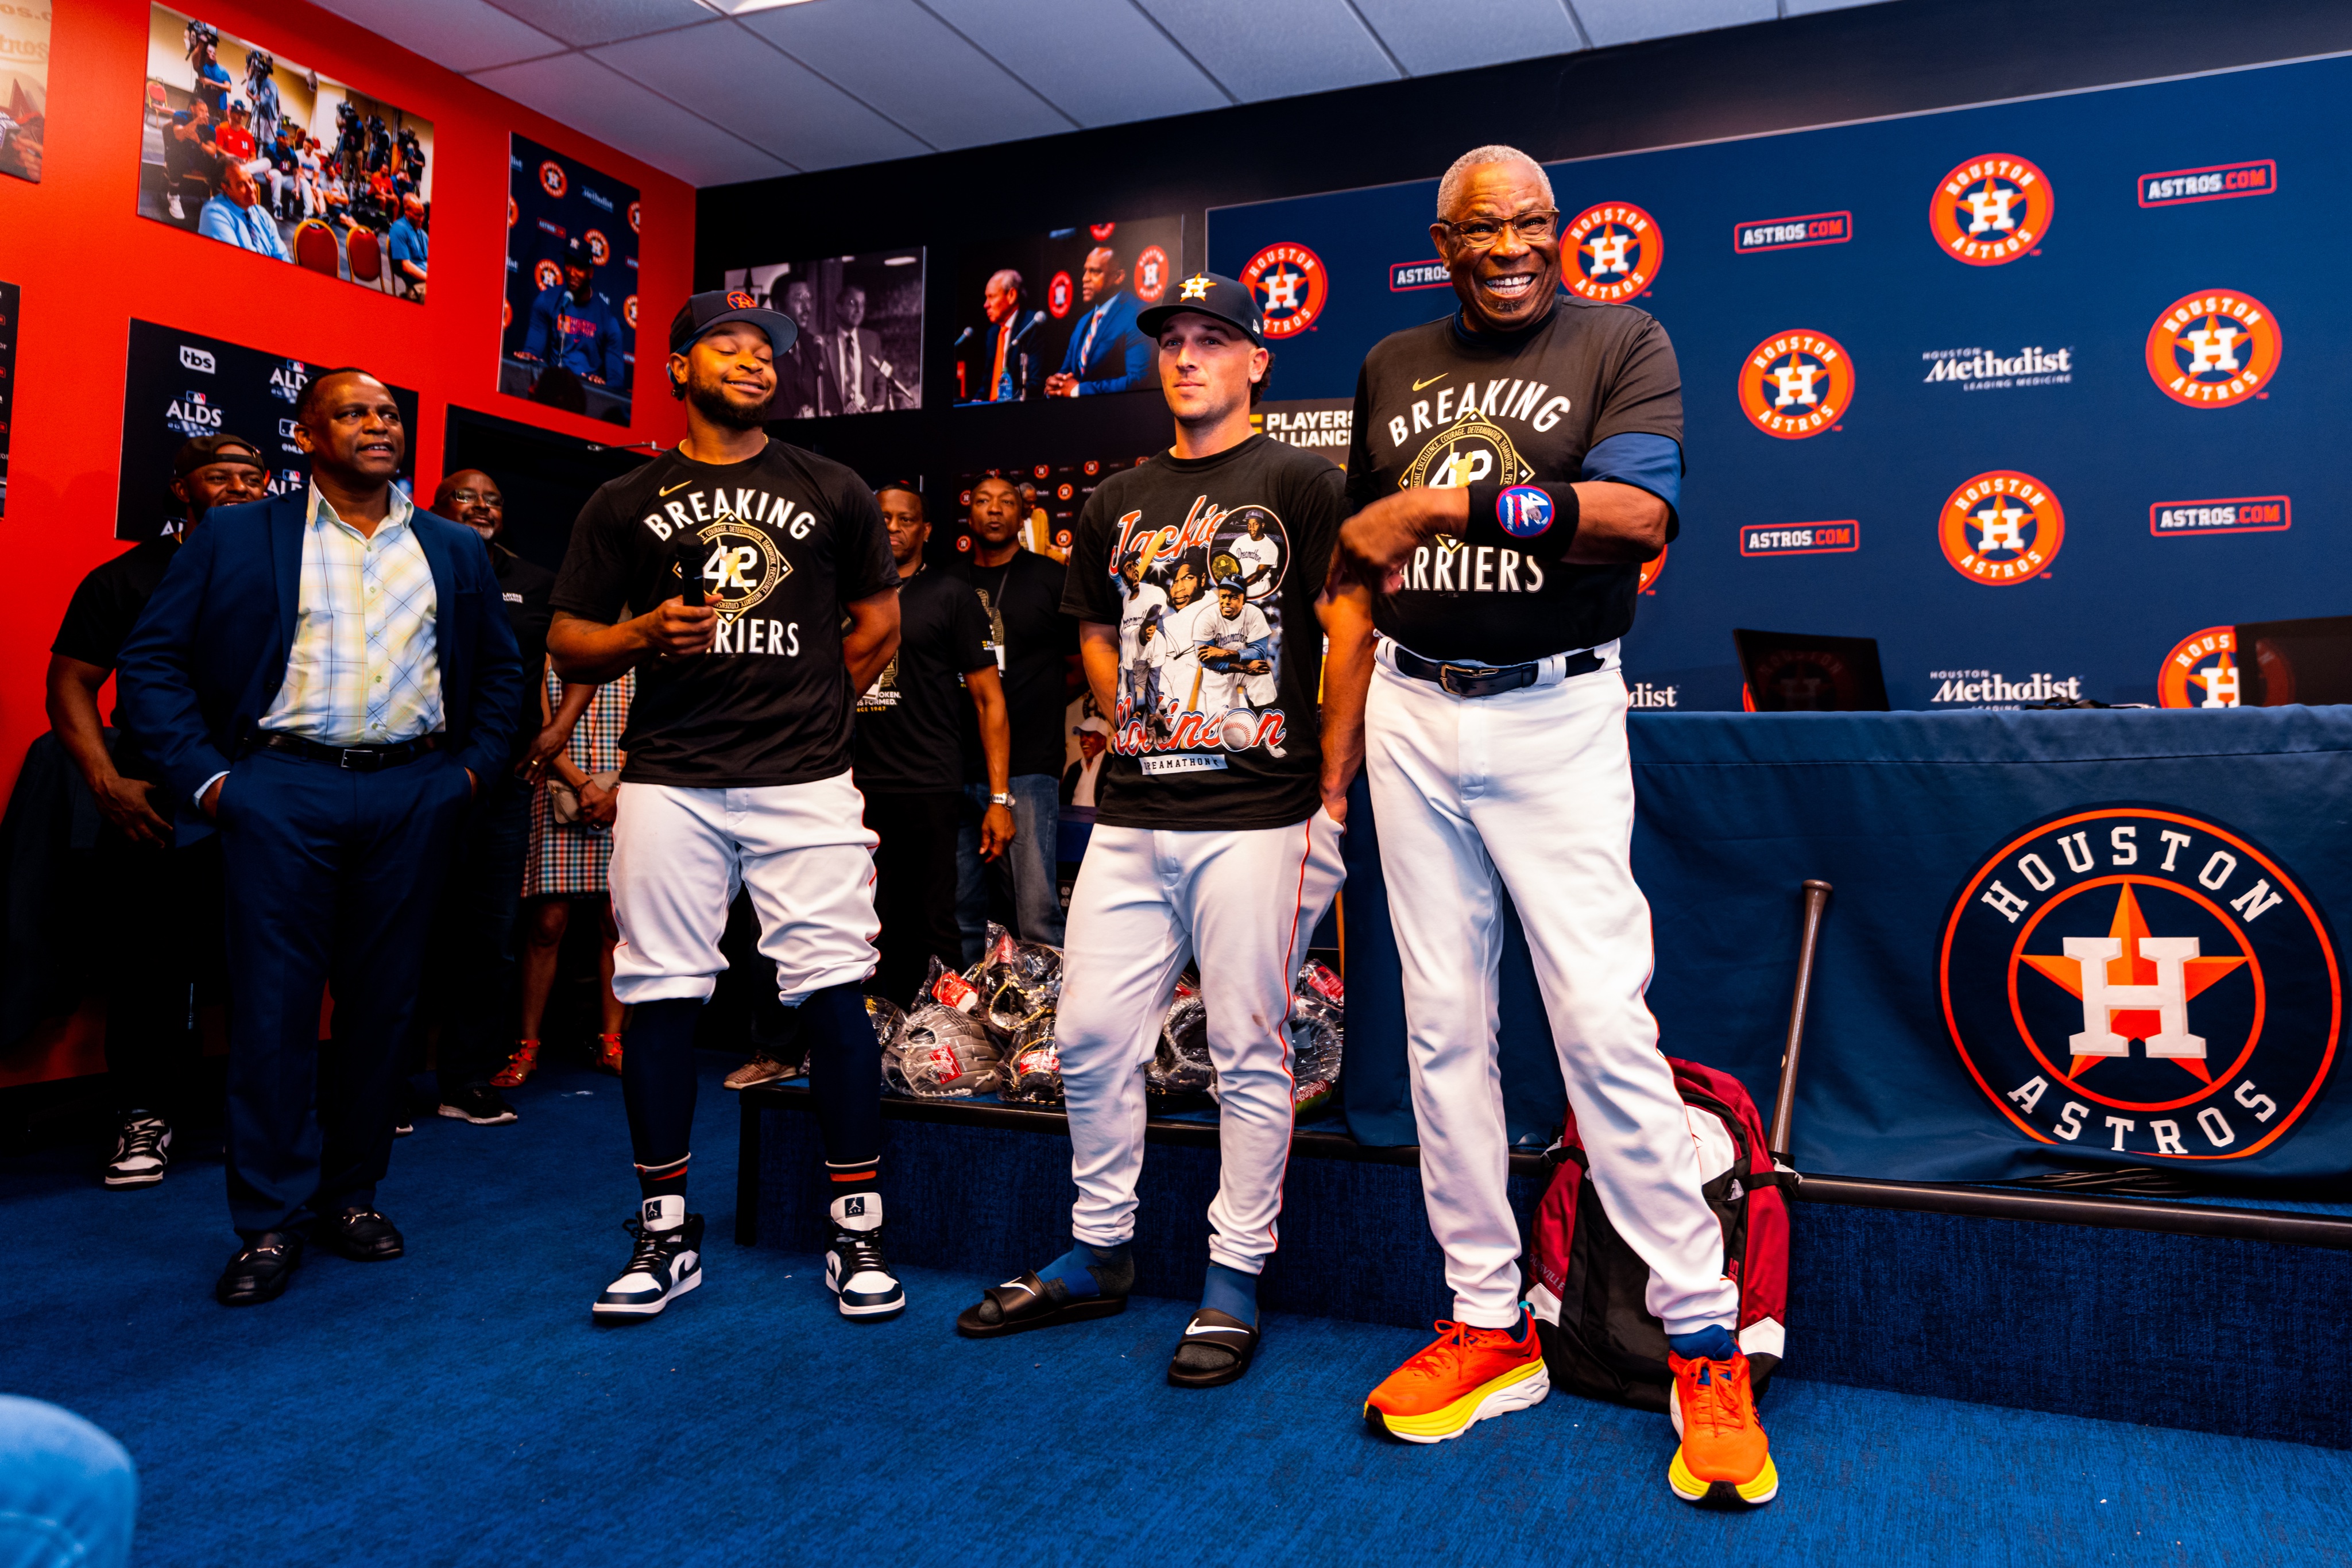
1029, 1302
1217, 1351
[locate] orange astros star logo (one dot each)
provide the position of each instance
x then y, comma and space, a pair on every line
1795, 384
1611, 250
2213, 348
1991, 210
2001, 527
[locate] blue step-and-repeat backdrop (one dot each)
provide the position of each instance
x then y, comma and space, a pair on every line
2039, 394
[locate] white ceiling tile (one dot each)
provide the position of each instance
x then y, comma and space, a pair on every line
1623, 21
463, 34
1102, 62
592, 98
1427, 39
602, 21
1806, 7
746, 86
1276, 48
908, 64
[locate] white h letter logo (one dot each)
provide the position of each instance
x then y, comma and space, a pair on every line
2002, 527
1990, 207
1795, 380
2212, 347
2169, 996
1608, 252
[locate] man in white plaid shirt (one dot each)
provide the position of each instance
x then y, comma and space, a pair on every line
328, 675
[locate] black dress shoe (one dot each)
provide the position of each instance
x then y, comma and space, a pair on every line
260, 1270
362, 1235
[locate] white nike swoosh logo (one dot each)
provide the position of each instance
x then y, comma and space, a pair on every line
1417, 386
1213, 1329
681, 485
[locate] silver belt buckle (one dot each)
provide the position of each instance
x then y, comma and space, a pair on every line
366, 763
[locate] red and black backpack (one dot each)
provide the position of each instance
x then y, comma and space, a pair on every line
1587, 1287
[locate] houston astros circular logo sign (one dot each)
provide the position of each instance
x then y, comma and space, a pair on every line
1991, 210
2202, 672
2213, 348
1151, 278
1611, 250
1649, 570
2141, 981
2001, 527
1796, 385
1289, 285
551, 180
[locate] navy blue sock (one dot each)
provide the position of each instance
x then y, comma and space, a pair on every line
658, 1089
1081, 1268
845, 1071
1713, 1343
1232, 1293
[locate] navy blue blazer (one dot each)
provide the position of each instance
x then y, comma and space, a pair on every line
206, 658
1121, 360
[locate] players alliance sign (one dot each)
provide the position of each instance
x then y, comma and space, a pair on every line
2143, 981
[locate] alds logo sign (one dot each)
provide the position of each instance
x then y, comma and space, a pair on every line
2202, 672
2144, 982
1613, 250
2210, 348
2001, 527
1991, 210
1796, 385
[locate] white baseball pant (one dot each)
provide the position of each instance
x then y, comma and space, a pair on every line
1245, 903
679, 855
1531, 791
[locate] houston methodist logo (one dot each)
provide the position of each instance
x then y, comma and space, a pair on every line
2001, 527
2141, 981
1796, 385
1614, 249
1991, 210
1290, 284
551, 180
2210, 348
2202, 672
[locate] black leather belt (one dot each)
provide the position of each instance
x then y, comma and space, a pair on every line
1485, 680
357, 758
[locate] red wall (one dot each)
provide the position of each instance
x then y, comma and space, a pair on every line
88, 263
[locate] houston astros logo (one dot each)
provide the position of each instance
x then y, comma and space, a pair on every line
1289, 285
513, 211
548, 274
1613, 250
1796, 385
737, 299
1991, 210
1649, 570
551, 180
1152, 270
600, 249
1470, 450
629, 312
2142, 981
2210, 348
2202, 672
1059, 292
635, 209
741, 567
2001, 527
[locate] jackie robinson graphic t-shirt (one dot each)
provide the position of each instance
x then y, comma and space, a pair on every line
1210, 568
783, 540
1437, 406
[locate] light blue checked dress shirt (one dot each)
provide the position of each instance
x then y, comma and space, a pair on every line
365, 668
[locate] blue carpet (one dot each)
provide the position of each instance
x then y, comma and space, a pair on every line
456, 1408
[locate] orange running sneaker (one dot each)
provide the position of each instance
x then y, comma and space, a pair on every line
608, 1052
1723, 1459
1461, 1378
519, 1067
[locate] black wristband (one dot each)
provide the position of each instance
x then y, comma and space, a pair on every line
1533, 519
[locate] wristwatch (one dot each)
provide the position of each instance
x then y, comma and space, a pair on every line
1000, 799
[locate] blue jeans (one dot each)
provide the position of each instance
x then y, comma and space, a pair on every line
1032, 866
68, 1493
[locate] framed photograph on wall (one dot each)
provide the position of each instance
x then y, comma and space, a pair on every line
861, 317
268, 156
23, 87
1053, 314
568, 326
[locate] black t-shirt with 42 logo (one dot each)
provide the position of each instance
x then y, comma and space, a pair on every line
785, 540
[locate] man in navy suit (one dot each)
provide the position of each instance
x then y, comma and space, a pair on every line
328, 676
1108, 352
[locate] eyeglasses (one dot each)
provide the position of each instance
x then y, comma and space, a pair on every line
487, 498
1533, 227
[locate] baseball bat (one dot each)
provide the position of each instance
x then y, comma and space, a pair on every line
1784, 1100
690, 571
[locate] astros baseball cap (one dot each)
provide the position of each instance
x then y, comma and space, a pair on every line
219, 448
721, 306
1211, 294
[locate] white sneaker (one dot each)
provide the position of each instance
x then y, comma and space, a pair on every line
666, 1265
143, 1151
178, 214
855, 1269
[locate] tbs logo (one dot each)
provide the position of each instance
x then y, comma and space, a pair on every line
199, 360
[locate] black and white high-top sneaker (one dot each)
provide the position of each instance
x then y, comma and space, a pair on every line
667, 1264
143, 1151
855, 1269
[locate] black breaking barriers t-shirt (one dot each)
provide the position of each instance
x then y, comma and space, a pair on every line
785, 540
1210, 568
1436, 405
99, 620
911, 721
